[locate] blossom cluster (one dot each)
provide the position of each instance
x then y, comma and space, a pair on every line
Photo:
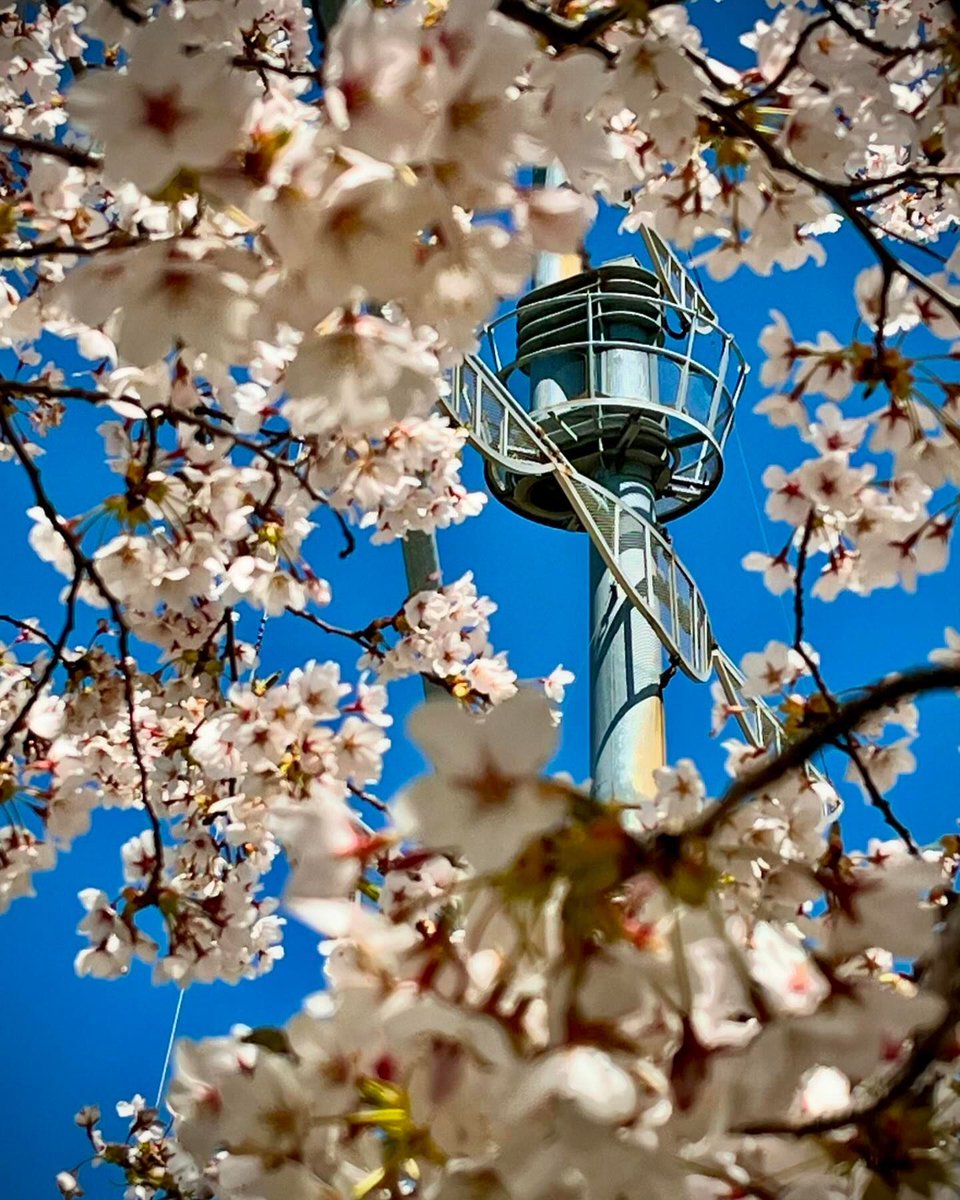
548, 1000
872, 532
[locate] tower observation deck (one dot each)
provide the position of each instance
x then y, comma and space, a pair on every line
622, 378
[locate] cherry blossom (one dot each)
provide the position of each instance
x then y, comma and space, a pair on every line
485, 800
774, 670
154, 119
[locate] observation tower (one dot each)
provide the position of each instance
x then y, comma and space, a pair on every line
601, 404
629, 385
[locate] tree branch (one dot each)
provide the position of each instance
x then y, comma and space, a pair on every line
276, 465
791, 64
56, 657
840, 196
874, 44
25, 627
850, 747
68, 154
568, 35
839, 723
128, 11
249, 62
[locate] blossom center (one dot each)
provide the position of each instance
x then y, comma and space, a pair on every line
162, 111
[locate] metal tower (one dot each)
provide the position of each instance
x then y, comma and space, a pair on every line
601, 403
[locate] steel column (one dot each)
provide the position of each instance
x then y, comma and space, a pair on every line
421, 561
627, 741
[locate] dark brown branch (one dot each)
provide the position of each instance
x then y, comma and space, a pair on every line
569, 35
837, 725
231, 646
848, 744
906, 176
128, 11
733, 123
68, 154
791, 64
248, 62
798, 596
851, 748
885, 50
56, 657
369, 638
26, 627
119, 241
367, 798
50, 250
275, 465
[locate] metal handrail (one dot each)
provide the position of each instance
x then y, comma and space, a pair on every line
698, 664
654, 301
673, 273
726, 380
732, 681
654, 351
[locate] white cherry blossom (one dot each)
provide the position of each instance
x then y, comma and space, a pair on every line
486, 801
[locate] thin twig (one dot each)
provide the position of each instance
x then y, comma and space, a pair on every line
851, 748
569, 35
128, 11
13, 388
839, 194
367, 798
848, 744
875, 44
26, 627
369, 638
790, 65
249, 62
56, 657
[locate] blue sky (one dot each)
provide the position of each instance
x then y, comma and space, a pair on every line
69, 1042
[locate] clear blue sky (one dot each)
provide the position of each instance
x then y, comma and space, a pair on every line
69, 1042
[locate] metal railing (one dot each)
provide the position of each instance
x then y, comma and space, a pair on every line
664, 590
693, 380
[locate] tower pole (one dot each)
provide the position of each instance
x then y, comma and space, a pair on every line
627, 734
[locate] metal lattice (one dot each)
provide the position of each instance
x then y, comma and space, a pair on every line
692, 371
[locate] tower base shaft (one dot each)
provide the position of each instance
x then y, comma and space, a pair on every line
627, 737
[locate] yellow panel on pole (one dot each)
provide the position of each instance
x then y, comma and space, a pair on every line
650, 752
